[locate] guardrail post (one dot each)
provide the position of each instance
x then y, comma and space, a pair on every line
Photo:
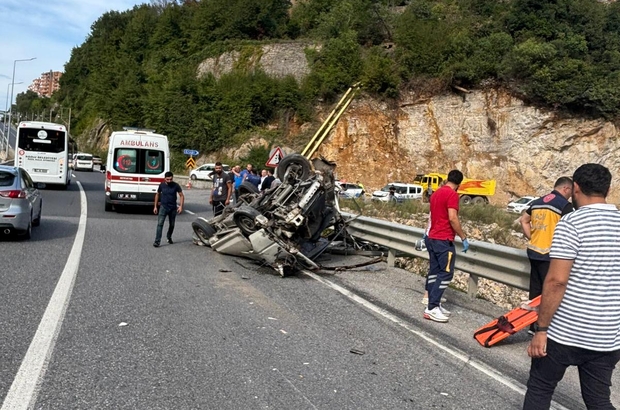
391, 260
472, 286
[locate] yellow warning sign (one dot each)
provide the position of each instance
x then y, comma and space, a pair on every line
190, 163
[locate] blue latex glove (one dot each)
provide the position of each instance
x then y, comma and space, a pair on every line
424, 237
465, 245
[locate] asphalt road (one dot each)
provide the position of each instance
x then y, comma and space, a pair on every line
182, 327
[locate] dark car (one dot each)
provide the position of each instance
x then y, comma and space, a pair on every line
20, 202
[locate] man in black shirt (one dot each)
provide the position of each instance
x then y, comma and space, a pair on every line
167, 197
222, 189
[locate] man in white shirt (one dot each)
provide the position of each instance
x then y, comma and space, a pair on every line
579, 316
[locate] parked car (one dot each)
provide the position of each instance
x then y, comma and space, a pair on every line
20, 202
348, 190
401, 192
206, 171
520, 204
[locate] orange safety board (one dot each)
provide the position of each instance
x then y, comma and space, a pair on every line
508, 324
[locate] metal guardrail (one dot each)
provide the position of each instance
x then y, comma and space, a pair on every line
499, 263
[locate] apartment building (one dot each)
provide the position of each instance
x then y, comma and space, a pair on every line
45, 85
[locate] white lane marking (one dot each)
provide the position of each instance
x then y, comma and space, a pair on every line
458, 354
25, 387
189, 212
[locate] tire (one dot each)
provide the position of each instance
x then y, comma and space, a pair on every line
203, 230
37, 220
244, 219
108, 207
465, 200
478, 200
296, 164
28, 234
193, 177
247, 187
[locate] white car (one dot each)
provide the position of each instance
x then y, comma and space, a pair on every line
347, 190
206, 171
401, 192
521, 204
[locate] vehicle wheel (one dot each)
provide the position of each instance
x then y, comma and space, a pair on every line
193, 177
28, 234
204, 230
478, 200
37, 221
244, 219
108, 207
296, 164
465, 200
247, 187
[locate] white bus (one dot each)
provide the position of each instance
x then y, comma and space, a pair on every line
136, 164
42, 149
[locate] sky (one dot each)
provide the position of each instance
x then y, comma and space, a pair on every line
47, 30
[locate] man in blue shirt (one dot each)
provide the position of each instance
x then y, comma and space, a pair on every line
167, 197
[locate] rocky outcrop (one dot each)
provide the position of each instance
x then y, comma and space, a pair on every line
278, 60
488, 134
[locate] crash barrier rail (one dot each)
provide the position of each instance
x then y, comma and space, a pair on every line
499, 263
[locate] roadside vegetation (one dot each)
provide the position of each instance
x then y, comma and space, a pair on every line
139, 67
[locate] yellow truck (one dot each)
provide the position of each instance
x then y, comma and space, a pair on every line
471, 191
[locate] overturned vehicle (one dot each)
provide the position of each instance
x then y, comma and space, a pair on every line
286, 226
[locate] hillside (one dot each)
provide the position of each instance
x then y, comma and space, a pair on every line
216, 74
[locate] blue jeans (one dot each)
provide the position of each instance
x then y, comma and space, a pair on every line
595, 370
161, 218
441, 269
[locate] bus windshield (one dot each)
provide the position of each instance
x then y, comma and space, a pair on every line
33, 139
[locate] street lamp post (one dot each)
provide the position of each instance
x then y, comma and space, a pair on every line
11, 102
5, 127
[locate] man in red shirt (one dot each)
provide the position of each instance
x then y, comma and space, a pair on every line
443, 224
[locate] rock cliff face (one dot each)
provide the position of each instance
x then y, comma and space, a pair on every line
278, 60
487, 134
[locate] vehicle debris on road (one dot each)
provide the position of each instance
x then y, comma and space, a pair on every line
283, 227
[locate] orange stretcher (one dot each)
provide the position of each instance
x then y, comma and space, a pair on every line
508, 324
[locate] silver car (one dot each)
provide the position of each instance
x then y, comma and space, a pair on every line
20, 202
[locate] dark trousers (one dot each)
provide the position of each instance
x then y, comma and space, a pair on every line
441, 270
538, 273
218, 207
595, 370
161, 218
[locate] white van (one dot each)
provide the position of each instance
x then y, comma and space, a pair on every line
136, 163
401, 192
83, 162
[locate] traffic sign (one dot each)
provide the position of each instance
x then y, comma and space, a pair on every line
191, 152
190, 163
275, 157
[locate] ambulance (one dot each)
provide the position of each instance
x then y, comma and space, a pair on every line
136, 163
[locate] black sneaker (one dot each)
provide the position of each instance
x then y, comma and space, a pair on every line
170, 241
156, 244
